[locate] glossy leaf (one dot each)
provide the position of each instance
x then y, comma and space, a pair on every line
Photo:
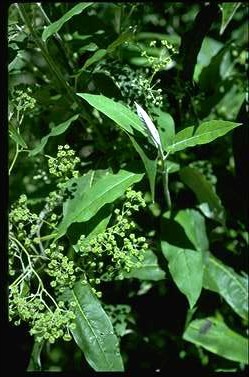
186, 268
228, 10
120, 114
149, 164
150, 269
98, 55
86, 204
205, 133
94, 333
216, 337
57, 130
204, 191
56, 26
194, 226
228, 284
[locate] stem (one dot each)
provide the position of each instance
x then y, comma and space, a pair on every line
15, 158
165, 179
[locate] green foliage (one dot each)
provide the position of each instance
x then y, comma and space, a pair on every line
127, 168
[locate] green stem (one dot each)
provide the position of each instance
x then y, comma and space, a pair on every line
165, 179
14, 159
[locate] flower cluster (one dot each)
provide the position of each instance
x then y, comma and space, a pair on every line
159, 62
117, 250
23, 101
60, 268
63, 166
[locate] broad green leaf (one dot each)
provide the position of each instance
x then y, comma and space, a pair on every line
55, 26
194, 226
149, 164
57, 130
150, 269
209, 48
35, 357
120, 114
210, 202
186, 268
226, 282
94, 333
205, 133
216, 337
98, 55
16, 136
228, 10
86, 204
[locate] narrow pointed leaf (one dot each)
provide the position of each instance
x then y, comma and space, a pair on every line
216, 337
119, 113
94, 333
228, 10
57, 130
205, 133
85, 204
55, 26
98, 55
149, 126
228, 284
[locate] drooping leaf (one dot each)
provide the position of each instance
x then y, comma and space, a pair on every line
216, 337
149, 164
55, 26
186, 268
205, 133
211, 204
94, 332
120, 114
86, 204
226, 282
194, 226
98, 55
150, 128
228, 10
57, 130
150, 269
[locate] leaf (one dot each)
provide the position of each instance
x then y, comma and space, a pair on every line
186, 268
194, 226
166, 127
94, 333
120, 114
55, 26
16, 136
150, 269
211, 203
205, 133
86, 204
126, 36
218, 339
35, 357
149, 164
57, 130
228, 10
98, 55
149, 126
225, 281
